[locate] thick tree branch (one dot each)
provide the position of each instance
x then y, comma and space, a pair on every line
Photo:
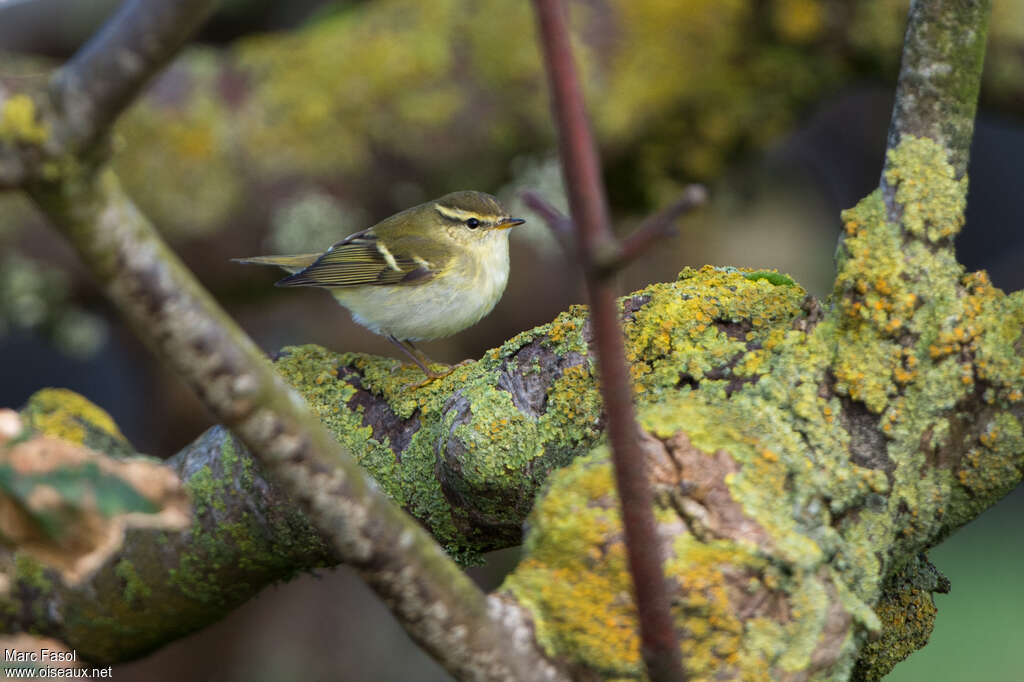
467, 455
110, 71
163, 585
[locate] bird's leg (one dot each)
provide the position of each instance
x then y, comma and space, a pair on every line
422, 361
417, 356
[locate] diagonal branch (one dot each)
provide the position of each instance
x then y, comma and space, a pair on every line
580, 165
106, 75
439, 606
559, 224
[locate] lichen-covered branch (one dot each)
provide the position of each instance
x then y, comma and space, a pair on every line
778, 504
431, 452
940, 77
785, 506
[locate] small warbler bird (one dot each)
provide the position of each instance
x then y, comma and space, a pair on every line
425, 273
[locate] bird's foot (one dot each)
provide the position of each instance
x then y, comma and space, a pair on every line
432, 375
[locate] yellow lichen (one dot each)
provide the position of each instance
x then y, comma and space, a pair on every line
18, 121
931, 197
66, 415
574, 578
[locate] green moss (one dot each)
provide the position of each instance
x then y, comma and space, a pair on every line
776, 278
134, 586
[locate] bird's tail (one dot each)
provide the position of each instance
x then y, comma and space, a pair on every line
290, 263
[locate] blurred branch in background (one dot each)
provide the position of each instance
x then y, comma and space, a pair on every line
108, 73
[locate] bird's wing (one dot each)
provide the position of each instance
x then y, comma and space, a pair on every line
364, 258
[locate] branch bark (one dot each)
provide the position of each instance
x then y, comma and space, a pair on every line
756, 392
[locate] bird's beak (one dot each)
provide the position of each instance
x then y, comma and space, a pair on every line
508, 222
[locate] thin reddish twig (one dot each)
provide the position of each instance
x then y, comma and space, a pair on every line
560, 224
659, 644
652, 230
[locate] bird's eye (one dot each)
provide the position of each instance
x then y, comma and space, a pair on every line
472, 223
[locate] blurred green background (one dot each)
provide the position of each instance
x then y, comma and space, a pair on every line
288, 125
